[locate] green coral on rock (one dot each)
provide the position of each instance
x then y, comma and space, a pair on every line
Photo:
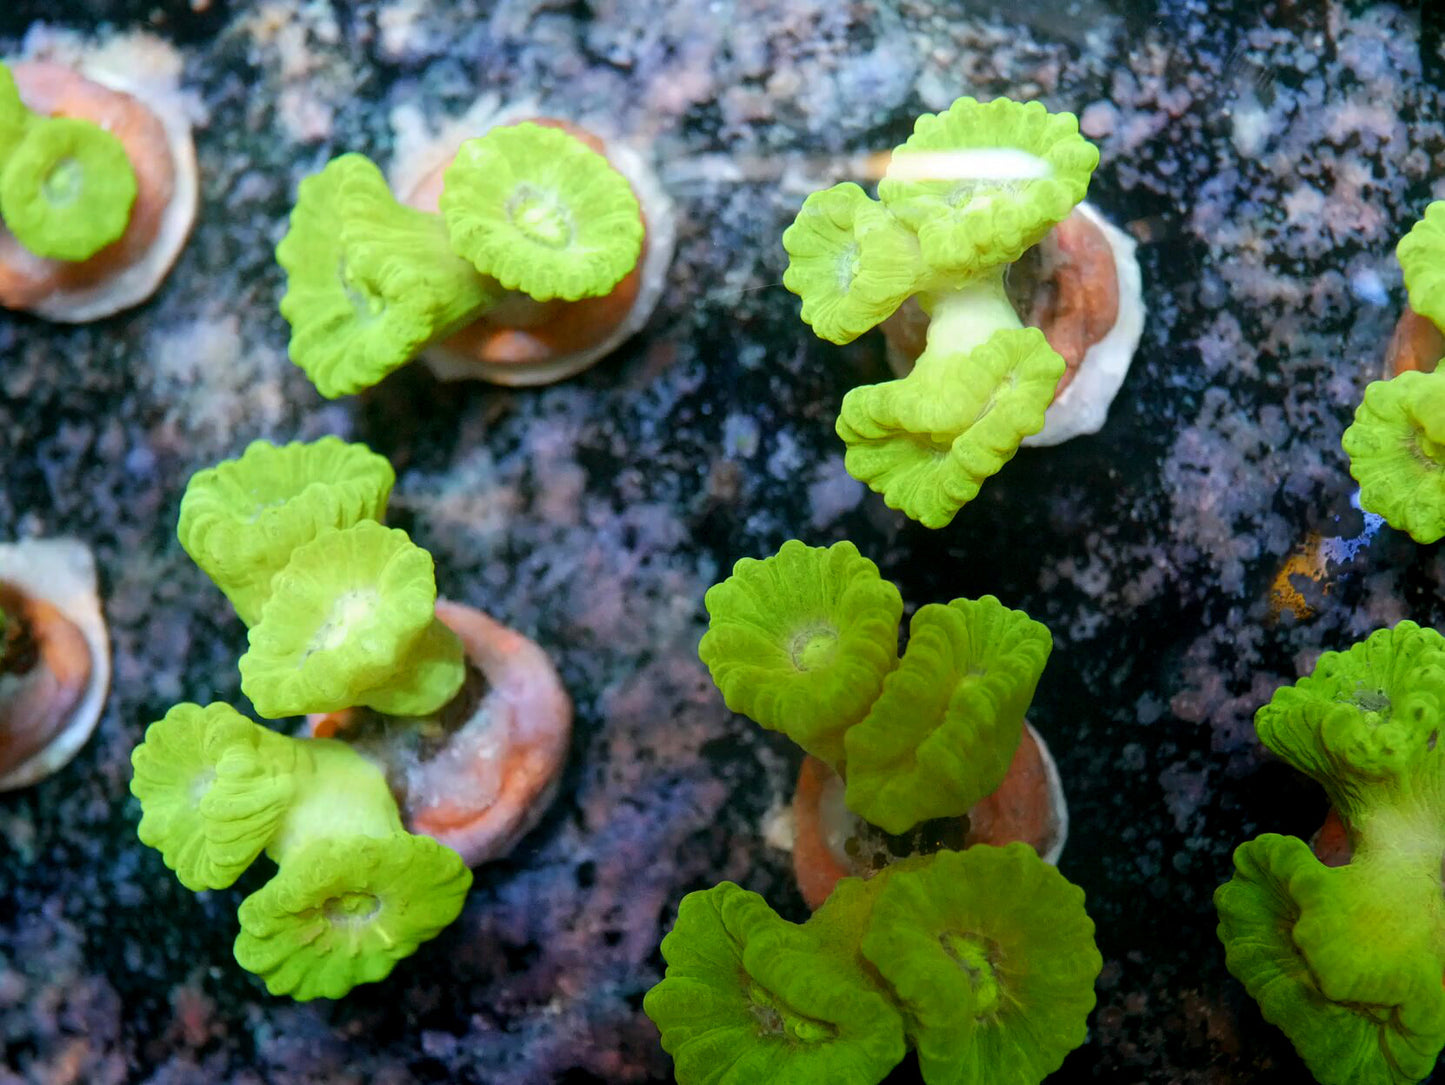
1348, 960
354, 892
1396, 447
983, 961
525, 209
67, 186
963, 198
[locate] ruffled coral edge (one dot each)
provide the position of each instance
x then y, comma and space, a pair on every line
448, 363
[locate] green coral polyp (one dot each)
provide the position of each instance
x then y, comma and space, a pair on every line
241, 520
343, 910
964, 197
1347, 960
750, 998
1396, 447
369, 282
347, 613
982, 210
354, 893
985, 958
850, 262
929, 441
800, 642
943, 732
214, 787
541, 212
66, 188
1421, 253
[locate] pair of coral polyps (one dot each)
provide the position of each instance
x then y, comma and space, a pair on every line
982, 961
525, 209
963, 197
1396, 443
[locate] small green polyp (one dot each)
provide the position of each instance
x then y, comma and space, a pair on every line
540, 212
66, 189
1396, 446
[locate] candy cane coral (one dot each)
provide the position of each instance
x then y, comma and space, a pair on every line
1347, 959
982, 961
526, 211
343, 613
1396, 447
354, 892
925, 953
97, 190
963, 198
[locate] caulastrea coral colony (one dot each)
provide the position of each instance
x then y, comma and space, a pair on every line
1346, 955
453, 728
934, 260
981, 960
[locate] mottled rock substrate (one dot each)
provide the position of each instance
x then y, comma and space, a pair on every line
1267, 155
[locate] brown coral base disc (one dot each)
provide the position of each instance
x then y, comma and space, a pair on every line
1021, 808
1416, 344
494, 773
42, 679
1066, 286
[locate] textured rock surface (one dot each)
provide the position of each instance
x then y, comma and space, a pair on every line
1268, 156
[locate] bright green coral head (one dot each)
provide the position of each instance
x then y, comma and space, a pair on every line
351, 621
1421, 253
541, 212
369, 281
344, 910
1396, 447
750, 998
66, 186
242, 519
982, 182
800, 642
213, 788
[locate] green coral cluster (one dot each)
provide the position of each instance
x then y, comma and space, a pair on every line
341, 612
1396, 443
1348, 960
963, 198
983, 961
806, 642
66, 185
354, 892
371, 282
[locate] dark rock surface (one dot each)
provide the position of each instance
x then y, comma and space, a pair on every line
1269, 155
